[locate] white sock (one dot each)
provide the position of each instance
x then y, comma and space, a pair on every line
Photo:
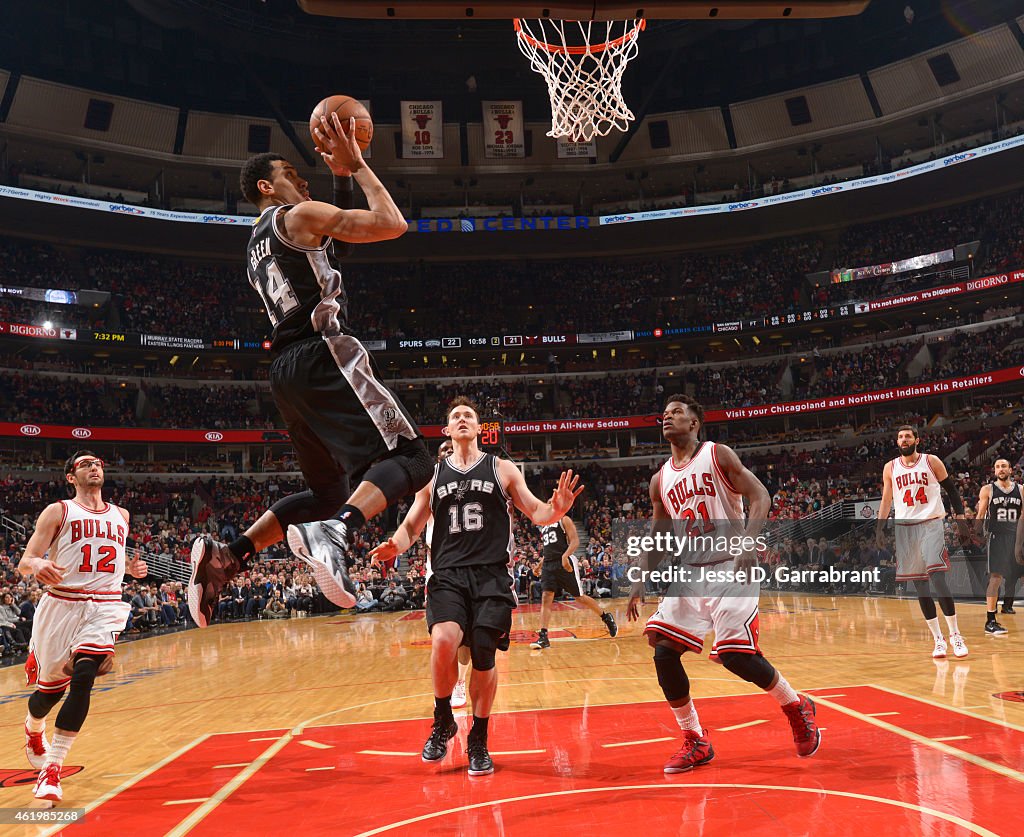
933, 626
951, 621
33, 724
686, 717
59, 747
783, 692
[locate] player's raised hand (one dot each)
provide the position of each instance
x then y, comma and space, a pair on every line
137, 568
565, 493
47, 572
337, 145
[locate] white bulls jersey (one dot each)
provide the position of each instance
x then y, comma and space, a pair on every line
699, 490
89, 547
916, 495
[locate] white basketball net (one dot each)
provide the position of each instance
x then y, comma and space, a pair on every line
582, 61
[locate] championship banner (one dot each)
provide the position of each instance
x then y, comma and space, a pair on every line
422, 130
568, 150
503, 130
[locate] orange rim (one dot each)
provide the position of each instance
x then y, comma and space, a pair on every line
577, 50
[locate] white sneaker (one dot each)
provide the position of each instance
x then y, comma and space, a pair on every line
36, 747
459, 695
323, 545
48, 784
940, 647
959, 646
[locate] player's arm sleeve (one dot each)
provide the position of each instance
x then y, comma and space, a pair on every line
955, 500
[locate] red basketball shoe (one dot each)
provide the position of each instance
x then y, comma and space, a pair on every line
696, 750
806, 735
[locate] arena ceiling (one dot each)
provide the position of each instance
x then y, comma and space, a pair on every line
262, 58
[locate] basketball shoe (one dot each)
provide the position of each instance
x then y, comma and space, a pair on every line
441, 734
940, 648
959, 646
806, 734
609, 623
993, 628
696, 750
459, 695
48, 784
542, 640
213, 565
480, 762
323, 546
36, 747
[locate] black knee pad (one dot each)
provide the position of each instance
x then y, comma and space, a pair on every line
405, 472
307, 506
75, 709
671, 675
483, 645
751, 667
40, 703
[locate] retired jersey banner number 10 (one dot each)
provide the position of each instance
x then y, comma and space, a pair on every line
422, 130
503, 130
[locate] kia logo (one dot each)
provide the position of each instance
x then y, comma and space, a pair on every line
214, 436
81, 432
1021, 371
30, 430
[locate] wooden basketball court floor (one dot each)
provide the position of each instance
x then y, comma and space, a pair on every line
316, 725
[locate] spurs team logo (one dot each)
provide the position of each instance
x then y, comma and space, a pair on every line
213, 436
81, 432
390, 419
459, 489
31, 430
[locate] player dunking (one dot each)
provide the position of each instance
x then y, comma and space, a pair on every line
444, 450
999, 511
344, 424
561, 571
703, 482
80, 615
470, 592
911, 483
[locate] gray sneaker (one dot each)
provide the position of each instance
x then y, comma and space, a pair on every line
322, 545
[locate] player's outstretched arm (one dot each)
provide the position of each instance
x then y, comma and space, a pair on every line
406, 534
32, 561
541, 513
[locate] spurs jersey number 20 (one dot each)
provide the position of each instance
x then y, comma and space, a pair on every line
1004, 510
916, 494
90, 547
301, 287
472, 516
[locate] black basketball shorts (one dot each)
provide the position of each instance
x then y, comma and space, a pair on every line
554, 577
1000, 555
474, 597
340, 417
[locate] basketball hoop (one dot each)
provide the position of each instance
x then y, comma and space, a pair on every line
582, 62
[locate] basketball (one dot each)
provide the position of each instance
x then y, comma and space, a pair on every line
346, 107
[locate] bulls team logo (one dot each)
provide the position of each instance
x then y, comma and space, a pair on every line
81, 432
31, 430
21, 778
503, 120
213, 436
421, 120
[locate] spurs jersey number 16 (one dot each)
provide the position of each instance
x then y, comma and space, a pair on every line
90, 547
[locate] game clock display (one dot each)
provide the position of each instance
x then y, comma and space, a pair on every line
490, 434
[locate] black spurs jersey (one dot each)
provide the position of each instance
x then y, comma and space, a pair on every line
1004, 510
554, 541
301, 287
472, 516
